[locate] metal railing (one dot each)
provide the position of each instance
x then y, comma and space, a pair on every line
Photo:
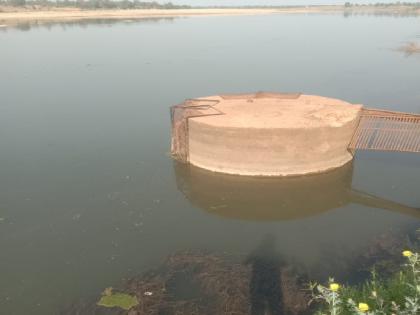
180, 128
387, 131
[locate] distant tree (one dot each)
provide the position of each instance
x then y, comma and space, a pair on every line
17, 3
96, 4
347, 4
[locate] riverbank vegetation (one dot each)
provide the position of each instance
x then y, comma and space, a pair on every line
395, 9
28, 5
10, 5
399, 294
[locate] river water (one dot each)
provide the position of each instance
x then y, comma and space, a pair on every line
89, 195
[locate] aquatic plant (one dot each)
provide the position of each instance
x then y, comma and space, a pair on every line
398, 295
411, 48
121, 300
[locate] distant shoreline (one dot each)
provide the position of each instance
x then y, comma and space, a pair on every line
75, 13
9, 15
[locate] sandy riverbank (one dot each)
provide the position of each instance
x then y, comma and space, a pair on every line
74, 14
13, 15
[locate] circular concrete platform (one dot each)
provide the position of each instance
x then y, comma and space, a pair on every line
273, 134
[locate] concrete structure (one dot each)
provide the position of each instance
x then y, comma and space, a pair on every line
273, 134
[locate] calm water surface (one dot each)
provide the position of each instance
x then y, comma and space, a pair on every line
89, 194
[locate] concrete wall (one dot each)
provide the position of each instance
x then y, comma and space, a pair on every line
269, 151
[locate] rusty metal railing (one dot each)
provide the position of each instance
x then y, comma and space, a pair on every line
180, 129
387, 131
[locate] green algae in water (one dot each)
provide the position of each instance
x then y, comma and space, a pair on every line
122, 300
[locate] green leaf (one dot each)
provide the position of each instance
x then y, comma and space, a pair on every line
122, 300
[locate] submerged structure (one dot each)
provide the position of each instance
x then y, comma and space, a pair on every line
274, 134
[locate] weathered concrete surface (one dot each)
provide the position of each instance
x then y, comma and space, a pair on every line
273, 136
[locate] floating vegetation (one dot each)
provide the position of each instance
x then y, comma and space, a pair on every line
121, 300
411, 48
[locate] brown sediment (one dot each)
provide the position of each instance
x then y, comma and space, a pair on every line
203, 283
382, 253
198, 283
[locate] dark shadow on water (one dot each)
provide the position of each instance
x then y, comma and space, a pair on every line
265, 286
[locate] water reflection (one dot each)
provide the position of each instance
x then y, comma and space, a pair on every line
380, 13
268, 199
82, 23
107, 22
265, 285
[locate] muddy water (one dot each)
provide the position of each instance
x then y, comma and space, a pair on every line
89, 195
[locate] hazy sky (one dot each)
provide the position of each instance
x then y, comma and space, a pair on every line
273, 2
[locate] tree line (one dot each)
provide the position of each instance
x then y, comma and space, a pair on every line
385, 4
94, 4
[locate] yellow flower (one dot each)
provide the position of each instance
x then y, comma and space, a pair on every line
407, 253
363, 307
334, 287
